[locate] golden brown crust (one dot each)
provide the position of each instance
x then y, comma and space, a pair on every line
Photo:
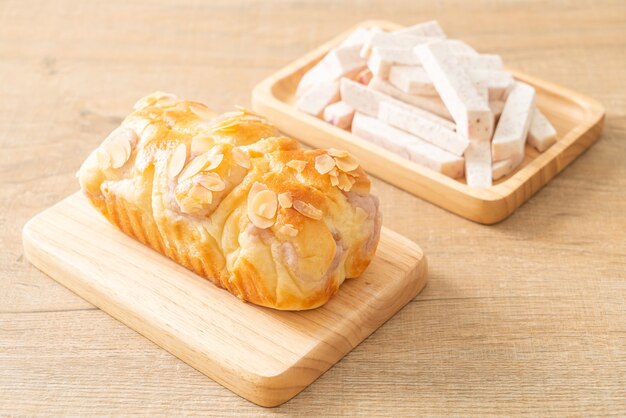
232, 200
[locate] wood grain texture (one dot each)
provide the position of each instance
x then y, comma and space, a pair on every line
527, 317
578, 120
264, 355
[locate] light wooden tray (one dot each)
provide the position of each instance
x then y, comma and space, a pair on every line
577, 119
264, 355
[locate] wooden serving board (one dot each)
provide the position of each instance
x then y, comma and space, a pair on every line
264, 355
578, 120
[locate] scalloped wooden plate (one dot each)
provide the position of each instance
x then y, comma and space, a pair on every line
578, 120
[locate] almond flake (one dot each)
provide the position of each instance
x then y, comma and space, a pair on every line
177, 160
257, 187
241, 158
347, 164
216, 160
297, 165
230, 123
167, 101
288, 230
201, 111
194, 167
258, 221
117, 152
285, 201
228, 116
265, 210
102, 158
338, 153
200, 194
345, 182
334, 181
119, 146
247, 112
264, 204
307, 209
324, 163
151, 99
189, 205
211, 181
201, 144
126, 136
133, 137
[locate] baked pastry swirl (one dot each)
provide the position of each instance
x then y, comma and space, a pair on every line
232, 200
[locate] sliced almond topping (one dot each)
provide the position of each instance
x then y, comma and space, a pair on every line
241, 158
288, 230
228, 116
338, 152
347, 164
133, 137
264, 204
102, 158
201, 111
167, 101
119, 146
126, 136
177, 160
144, 129
324, 163
189, 205
117, 152
258, 221
285, 201
245, 111
225, 127
151, 99
297, 165
125, 142
345, 182
200, 194
334, 180
201, 144
194, 167
216, 160
257, 187
211, 181
265, 210
307, 209
334, 172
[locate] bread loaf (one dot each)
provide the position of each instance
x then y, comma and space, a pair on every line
231, 199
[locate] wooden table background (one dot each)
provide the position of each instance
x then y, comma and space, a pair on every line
525, 317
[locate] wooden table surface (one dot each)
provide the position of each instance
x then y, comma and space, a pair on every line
524, 317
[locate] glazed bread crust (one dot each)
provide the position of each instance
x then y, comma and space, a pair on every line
232, 200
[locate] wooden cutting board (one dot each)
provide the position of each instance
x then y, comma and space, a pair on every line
264, 355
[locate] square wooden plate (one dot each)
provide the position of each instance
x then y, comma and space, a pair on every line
264, 355
578, 120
